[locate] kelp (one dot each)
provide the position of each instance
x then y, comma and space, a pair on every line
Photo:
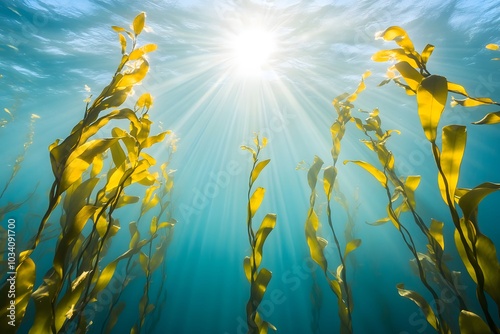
339, 283
258, 278
476, 250
91, 176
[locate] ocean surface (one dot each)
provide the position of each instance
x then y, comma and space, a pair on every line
213, 87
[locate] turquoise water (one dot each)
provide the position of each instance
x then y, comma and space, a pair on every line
51, 49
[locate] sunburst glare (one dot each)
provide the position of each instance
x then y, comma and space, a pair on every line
252, 50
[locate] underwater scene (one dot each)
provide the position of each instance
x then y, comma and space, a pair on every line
249, 166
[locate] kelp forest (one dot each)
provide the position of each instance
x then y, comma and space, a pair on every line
98, 258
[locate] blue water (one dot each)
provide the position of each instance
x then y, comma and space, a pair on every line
51, 49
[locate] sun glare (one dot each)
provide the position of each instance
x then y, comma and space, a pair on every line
252, 51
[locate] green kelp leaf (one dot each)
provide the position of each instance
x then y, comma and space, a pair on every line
491, 118
260, 286
399, 35
471, 323
267, 225
138, 24
421, 303
412, 77
258, 168
351, 245
247, 268
312, 174
427, 53
469, 201
256, 200
315, 247
377, 174
493, 47
65, 309
104, 278
113, 316
436, 231
454, 139
329, 176
431, 98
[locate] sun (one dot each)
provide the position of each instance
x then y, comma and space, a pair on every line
252, 50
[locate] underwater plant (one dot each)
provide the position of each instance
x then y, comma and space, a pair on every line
91, 175
476, 250
259, 279
339, 283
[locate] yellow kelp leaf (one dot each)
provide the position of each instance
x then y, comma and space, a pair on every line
97, 165
247, 268
412, 77
393, 216
436, 231
117, 28
454, 139
134, 77
427, 53
361, 87
377, 174
421, 303
260, 286
315, 247
398, 35
23, 282
101, 225
144, 101
267, 225
488, 261
117, 154
123, 42
410, 185
249, 149
431, 97
472, 102
491, 118
138, 24
126, 200
136, 54
312, 174
329, 176
381, 221
471, 323
493, 47
150, 204
351, 245
394, 54
80, 160
105, 277
258, 168
469, 201
135, 235
256, 200
456, 88
65, 308
144, 260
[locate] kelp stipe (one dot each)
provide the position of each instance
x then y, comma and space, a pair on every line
477, 251
259, 279
89, 195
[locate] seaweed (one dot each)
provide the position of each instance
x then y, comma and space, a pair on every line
339, 283
259, 279
91, 175
477, 251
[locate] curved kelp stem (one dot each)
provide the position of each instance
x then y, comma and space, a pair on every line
432, 93
259, 279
